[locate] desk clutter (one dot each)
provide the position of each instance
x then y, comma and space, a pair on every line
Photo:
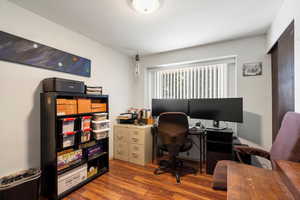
136, 116
75, 137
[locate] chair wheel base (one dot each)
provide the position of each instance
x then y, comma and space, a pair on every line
159, 171
176, 170
177, 178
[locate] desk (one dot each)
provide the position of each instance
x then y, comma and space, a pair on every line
199, 133
251, 183
290, 174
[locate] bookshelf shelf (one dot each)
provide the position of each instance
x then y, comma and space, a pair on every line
51, 145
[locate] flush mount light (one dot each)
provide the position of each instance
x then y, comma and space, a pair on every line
145, 6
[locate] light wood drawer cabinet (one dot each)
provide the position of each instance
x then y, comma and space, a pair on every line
121, 151
133, 143
121, 134
137, 136
137, 148
136, 154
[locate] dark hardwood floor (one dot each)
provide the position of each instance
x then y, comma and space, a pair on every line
127, 181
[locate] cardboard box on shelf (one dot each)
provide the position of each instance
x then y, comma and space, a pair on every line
99, 107
66, 106
84, 105
66, 102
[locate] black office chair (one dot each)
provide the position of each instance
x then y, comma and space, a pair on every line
173, 130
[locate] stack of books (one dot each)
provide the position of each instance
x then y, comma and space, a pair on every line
94, 90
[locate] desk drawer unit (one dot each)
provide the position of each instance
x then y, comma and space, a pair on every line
137, 136
133, 143
121, 134
218, 147
137, 159
121, 151
137, 154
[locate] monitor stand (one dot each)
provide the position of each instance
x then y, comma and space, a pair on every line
216, 126
198, 126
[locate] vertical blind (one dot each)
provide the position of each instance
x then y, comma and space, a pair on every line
194, 81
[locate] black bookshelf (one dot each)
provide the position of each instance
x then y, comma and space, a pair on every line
50, 147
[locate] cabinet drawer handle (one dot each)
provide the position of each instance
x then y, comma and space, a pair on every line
134, 155
136, 148
135, 139
120, 137
135, 132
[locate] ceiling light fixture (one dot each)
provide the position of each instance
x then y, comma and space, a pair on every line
146, 6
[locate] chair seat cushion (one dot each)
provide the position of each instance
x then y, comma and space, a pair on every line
220, 175
185, 147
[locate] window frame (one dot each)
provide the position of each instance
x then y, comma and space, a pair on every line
231, 60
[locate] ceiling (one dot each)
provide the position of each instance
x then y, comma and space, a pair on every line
177, 24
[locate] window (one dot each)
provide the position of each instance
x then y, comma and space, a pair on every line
189, 81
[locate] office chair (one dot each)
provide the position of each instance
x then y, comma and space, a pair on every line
285, 147
173, 130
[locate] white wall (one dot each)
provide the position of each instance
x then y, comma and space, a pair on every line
256, 91
297, 55
20, 84
288, 12
283, 18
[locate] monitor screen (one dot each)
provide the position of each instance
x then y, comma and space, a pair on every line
226, 109
169, 105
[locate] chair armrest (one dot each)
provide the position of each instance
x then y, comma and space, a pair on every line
252, 151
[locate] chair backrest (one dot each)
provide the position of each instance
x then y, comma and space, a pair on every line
287, 143
173, 128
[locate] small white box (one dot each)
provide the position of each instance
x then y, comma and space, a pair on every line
68, 140
71, 178
100, 134
100, 125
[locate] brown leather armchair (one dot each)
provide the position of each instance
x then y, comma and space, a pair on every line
285, 147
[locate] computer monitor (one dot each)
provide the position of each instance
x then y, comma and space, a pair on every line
169, 105
225, 109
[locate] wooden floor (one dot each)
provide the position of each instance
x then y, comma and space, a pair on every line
127, 181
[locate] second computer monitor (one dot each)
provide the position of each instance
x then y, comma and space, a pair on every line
169, 105
225, 109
